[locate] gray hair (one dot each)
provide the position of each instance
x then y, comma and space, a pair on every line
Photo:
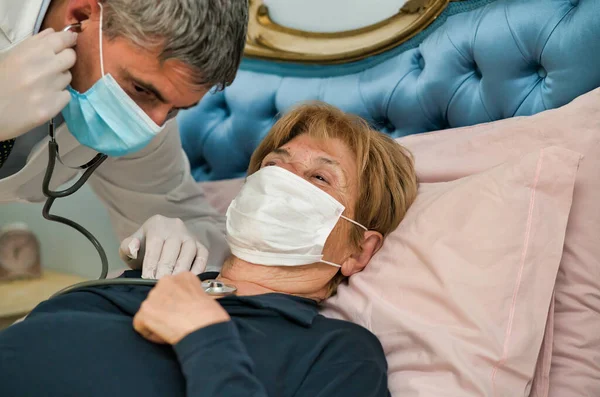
207, 35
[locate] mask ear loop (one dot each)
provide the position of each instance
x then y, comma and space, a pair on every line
351, 221
99, 158
331, 264
100, 39
356, 223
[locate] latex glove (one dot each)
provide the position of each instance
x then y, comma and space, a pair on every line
33, 79
176, 307
163, 246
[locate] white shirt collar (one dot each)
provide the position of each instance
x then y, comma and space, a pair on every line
41, 16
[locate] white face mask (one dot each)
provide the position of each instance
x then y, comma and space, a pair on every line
280, 219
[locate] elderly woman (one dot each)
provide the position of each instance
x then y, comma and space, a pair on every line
322, 193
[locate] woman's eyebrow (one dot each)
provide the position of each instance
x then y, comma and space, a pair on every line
328, 161
281, 152
321, 159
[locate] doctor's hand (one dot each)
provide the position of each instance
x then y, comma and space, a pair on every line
176, 307
33, 80
163, 246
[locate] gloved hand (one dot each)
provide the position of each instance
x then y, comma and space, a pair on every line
163, 246
33, 78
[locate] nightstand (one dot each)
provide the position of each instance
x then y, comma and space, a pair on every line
19, 297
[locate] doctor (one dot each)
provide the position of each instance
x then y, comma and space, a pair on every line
112, 84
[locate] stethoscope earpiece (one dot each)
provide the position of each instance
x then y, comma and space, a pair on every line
73, 27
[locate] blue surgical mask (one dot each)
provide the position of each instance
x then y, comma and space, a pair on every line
106, 119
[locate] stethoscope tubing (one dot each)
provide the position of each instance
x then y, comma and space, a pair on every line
53, 195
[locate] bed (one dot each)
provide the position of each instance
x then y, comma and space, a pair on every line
479, 69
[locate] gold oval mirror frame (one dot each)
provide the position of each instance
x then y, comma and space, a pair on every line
269, 40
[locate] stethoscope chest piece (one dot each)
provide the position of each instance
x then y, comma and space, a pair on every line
217, 288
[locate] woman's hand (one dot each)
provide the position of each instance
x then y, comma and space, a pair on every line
33, 80
175, 308
163, 246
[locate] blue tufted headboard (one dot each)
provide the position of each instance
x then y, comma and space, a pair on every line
507, 58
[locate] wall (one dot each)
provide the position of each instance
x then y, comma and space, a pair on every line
63, 248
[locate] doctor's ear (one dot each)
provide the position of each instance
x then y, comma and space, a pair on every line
372, 242
81, 11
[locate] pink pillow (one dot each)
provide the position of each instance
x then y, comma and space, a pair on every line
220, 194
459, 293
574, 340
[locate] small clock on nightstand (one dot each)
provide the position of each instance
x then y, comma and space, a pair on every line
19, 253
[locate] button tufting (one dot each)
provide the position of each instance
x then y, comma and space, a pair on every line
574, 3
385, 126
542, 72
476, 70
389, 127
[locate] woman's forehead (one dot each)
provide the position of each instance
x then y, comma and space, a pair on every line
332, 148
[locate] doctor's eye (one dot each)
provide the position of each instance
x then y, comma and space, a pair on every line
141, 90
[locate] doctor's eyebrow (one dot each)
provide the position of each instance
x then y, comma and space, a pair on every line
151, 88
145, 85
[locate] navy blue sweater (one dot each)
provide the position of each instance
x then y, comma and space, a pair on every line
83, 344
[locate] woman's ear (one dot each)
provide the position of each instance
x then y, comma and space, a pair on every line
372, 242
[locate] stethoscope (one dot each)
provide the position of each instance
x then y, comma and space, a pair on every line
211, 287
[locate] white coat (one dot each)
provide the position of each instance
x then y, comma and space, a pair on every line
155, 180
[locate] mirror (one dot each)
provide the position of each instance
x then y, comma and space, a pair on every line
334, 31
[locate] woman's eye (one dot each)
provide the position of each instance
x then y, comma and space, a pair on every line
268, 164
320, 178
